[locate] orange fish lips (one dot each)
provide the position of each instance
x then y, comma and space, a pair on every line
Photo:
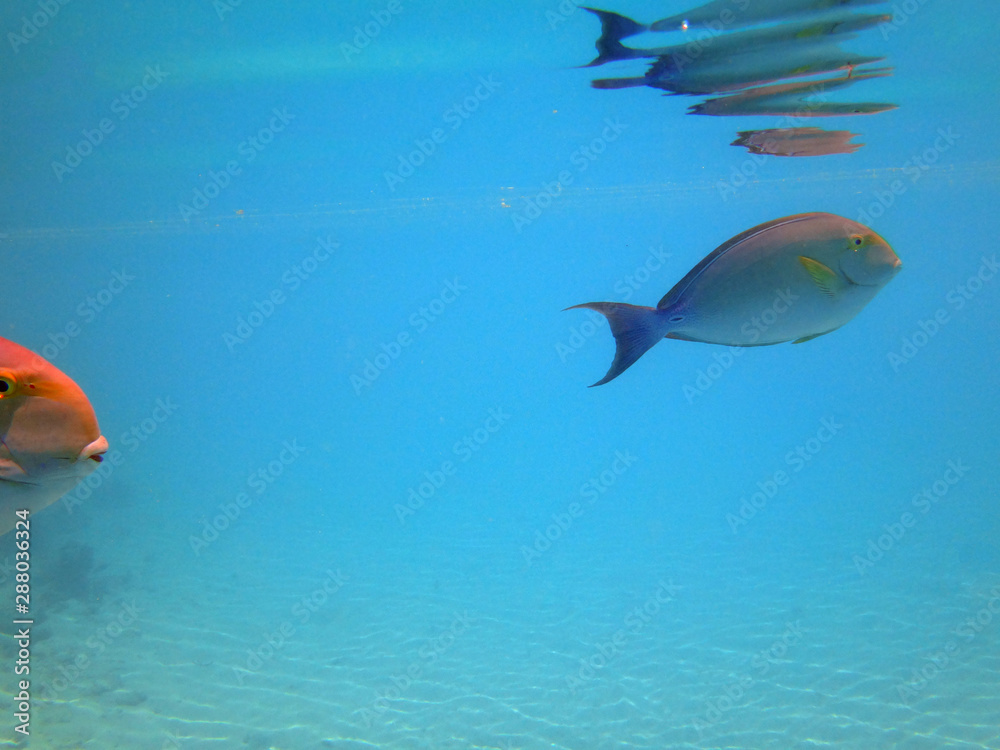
95, 451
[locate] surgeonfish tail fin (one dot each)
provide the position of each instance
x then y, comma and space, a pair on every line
636, 329
614, 28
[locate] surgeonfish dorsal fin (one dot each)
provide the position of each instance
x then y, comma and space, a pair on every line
825, 278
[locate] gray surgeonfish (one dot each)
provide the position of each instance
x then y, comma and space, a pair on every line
705, 45
793, 99
791, 279
721, 14
739, 71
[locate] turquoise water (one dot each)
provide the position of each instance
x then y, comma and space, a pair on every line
362, 496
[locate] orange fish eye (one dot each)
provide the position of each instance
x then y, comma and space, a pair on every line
7, 385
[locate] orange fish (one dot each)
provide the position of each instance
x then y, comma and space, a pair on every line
49, 438
797, 141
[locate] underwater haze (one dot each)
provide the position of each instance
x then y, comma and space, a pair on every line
309, 262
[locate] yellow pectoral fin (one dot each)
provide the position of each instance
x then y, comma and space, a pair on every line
828, 281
